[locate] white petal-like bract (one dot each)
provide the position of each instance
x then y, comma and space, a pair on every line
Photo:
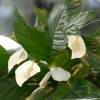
17, 58
26, 71
59, 74
77, 45
45, 79
9, 44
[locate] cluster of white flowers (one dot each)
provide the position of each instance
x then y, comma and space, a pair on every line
30, 68
25, 70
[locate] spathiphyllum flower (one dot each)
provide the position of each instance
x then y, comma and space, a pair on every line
77, 45
57, 73
25, 70
17, 58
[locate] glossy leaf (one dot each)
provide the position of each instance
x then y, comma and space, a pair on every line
10, 91
62, 59
36, 43
40, 93
84, 89
4, 56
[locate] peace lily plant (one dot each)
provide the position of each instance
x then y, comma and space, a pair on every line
54, 60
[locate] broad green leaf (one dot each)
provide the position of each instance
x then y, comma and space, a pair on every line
10, 91
36, 43
40, 93
4, 56
44, 70
62, 59
61, 90
84, 89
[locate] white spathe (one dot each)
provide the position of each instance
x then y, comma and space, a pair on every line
77, 45
17, 58
26, 71
9, 44
59, 74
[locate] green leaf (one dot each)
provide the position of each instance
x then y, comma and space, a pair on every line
84, 89
40, 93
61, 90
93, 61
86, 67
36, 43
93, 52
62, 59
10, 91
92, 44
4, 56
